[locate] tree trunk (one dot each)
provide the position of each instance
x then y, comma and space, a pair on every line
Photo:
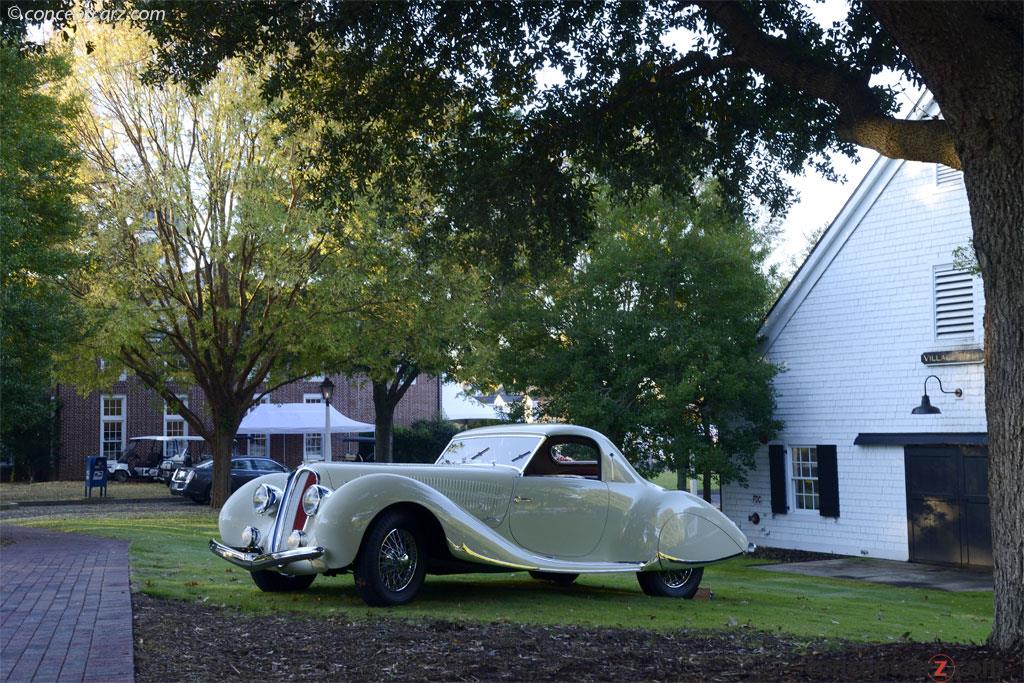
706, 477
384, 423
221, 445
994, 185
970, 56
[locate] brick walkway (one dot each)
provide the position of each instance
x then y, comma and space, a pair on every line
65, 607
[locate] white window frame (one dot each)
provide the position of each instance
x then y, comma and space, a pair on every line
791, 479
122, 418
265, 437
313, 443
175, 417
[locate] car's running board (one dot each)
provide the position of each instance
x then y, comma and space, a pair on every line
547, 564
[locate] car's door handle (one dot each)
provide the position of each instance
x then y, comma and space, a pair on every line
519, 499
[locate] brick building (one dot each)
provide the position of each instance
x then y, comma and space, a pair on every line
102, 422
878, 307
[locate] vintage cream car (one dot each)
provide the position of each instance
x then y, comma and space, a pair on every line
555, 500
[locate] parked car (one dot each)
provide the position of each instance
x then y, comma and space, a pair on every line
154, 457
196, 482
555, 500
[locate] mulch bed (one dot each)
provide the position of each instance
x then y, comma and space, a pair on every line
785, 555
199, 642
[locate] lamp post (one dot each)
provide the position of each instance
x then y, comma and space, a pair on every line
926, 407
326, 391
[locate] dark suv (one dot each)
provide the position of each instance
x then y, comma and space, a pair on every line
196, 482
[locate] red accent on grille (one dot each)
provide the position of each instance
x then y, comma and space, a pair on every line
300, 514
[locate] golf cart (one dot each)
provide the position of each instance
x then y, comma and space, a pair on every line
154, 457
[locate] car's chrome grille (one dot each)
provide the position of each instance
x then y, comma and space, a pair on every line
290, 515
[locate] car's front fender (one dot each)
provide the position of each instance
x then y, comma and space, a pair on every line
238, 513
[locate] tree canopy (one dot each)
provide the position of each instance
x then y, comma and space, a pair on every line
651, 338
38, 222
206, 256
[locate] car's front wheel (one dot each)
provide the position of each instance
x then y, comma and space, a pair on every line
555, 577
121, 476
391, 564
275, 582
681, 583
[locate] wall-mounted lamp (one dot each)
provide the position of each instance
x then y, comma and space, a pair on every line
926, 407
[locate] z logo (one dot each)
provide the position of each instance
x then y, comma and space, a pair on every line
941, 668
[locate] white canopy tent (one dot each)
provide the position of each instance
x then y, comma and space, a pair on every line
298, 418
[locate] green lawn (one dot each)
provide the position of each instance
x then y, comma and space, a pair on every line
170, 560
74, 490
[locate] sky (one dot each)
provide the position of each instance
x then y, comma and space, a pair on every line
820, 200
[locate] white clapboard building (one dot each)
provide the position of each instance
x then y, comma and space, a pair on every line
878, 307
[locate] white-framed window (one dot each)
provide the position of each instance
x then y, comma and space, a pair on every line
113, 417
259, 444
313, 448
313, 444
953, 302
174, 426
803, 477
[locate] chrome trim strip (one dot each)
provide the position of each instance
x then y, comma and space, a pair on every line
490, 560
256, 561
278, 536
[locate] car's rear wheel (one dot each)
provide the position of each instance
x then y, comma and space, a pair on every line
392, 562
275, 582
555, 577
121, 476
682, 583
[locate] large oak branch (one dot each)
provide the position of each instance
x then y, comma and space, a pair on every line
862, 120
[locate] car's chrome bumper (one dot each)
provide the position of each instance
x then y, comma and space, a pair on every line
256, 561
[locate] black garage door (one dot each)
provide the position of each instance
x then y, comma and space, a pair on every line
947, 505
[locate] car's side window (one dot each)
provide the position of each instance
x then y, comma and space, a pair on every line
241, 465
567, 456
574, 452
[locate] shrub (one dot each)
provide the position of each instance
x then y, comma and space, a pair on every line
423, 441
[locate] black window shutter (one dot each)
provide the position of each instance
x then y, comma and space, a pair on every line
777, 474
828, 481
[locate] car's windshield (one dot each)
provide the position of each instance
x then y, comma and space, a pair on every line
490, 450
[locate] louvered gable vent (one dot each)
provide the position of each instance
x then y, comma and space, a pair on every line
947, 177
954, 303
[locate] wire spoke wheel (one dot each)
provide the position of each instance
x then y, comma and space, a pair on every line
398, 560
678, 579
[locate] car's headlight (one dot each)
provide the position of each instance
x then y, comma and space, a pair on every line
190, 476
266, 498
312, 498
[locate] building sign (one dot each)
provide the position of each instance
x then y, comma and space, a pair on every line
950, 357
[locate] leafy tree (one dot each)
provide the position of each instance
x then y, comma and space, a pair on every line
652, 338
420, 306
38, 221
423, 441
206, 260
742, 90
